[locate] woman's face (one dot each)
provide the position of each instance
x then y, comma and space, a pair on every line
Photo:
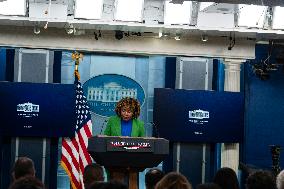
126, 113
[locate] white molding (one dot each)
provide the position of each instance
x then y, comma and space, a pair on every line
233, 61
34, 51
46, 66
58, 39
196, 59
206, 75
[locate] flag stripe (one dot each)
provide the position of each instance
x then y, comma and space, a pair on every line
70, 149
75, 144
84, 152
87, 129
83, 139
70, 165
75, 155
67, 167
81, 165
84, 149
67, 152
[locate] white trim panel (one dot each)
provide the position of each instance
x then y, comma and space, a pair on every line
58, 39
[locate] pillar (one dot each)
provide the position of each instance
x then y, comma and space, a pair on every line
230, 151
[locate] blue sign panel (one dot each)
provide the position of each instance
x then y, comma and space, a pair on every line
37, 109
104, 91
199, 116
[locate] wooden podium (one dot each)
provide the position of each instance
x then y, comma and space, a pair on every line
125, 157
126, 175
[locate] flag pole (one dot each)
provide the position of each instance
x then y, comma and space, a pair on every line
77, 56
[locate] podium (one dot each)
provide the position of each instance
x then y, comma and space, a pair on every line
124, 157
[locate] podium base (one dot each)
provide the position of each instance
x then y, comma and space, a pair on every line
129, 177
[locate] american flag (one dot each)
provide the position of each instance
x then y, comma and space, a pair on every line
74, 150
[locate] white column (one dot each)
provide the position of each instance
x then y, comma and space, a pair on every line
230, 151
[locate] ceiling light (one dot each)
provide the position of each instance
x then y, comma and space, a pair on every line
36, 29
177, 37
278, 15
204, 37
163, 35
124, 13
13, 7
88, 9
251, 15
70, 29
177, 13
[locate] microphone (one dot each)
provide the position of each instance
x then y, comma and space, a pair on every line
155, 130
103, 126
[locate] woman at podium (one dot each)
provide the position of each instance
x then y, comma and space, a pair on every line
126, 122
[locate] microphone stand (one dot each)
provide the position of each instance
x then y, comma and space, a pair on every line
155, 129
103, 126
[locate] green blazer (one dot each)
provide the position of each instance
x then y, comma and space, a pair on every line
113, 127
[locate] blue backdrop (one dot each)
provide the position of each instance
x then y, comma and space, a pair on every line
264, 118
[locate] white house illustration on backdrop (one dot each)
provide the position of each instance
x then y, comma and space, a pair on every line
110, 92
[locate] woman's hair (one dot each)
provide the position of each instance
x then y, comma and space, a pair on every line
173, 180
24, 166
108, 185
280, 180
260, 180
133, 104
152, 177
226, 178
210, 185
28, 182
93, 172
